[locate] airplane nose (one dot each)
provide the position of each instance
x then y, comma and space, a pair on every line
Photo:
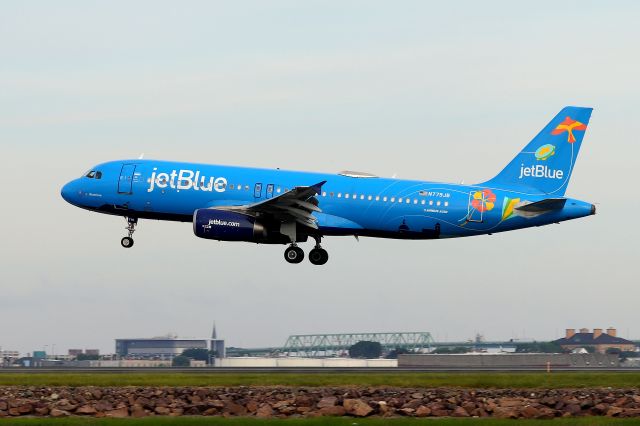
593, 209
68, 191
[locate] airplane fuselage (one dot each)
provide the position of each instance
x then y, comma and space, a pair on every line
362, 206
273, 206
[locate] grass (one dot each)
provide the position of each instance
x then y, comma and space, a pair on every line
400, 379
216, 421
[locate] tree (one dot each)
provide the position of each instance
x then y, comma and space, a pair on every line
365, 349
181, 361
197, 354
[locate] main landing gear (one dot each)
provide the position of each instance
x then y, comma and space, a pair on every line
127, 242
317, 256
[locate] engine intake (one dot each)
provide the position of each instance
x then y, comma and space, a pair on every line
227, 226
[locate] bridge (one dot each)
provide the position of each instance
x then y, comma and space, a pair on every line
319, 345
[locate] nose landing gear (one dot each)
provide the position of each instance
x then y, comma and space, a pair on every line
127, 242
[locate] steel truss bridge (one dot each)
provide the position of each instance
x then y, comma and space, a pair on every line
318, 345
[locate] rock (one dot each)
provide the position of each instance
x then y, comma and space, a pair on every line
614, 411
417, 395
138, 411
86, 409
252, 406
235, 409
336, 410
13, 411
54, 396
163, 411
25, 409
118, 413
58, 413
42, 411
3, 406
103, 406
423, 411
505, 413
530, 412
460, 412
407, 411
600, 408
572, 409
303, 401
510, 402
357, 407
630, 412
546, 413
176, 412
328, 401
264, 411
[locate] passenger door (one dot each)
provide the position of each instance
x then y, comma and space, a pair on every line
125, 183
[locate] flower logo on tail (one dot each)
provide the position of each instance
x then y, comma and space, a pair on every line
569, 125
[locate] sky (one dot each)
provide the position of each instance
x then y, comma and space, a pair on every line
441, 91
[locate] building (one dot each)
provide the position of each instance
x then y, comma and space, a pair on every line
599, 340
167, 347
157, 347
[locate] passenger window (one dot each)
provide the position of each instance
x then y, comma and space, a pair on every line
231, 186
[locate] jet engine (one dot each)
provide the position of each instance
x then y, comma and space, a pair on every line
227, 226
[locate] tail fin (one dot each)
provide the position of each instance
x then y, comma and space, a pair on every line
546, 163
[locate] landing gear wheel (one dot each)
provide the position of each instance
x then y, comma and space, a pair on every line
127, 242
318, 256
294, 254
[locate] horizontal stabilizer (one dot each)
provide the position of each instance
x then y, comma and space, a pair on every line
543, 206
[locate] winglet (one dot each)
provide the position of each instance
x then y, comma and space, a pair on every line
318, 186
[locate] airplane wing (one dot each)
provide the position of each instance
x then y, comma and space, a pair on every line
295, 205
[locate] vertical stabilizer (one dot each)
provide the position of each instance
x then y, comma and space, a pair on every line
544, 166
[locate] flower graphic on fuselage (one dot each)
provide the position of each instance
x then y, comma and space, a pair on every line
484, 200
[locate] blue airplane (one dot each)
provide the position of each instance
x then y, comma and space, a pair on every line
269, 206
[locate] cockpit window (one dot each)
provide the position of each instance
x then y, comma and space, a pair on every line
91, 174
98, 175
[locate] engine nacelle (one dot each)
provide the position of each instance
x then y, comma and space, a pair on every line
227, 226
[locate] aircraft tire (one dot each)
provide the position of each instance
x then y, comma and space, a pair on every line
294, 255
127, 242
318, 256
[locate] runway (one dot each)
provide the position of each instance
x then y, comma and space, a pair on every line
303, 370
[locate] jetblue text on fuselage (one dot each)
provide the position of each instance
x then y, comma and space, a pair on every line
540, 171
185, 179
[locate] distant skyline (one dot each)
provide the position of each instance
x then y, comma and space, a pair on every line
418, 89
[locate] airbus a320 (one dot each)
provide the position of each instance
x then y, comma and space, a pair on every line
272, 206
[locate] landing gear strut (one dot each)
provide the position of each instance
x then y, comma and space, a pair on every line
318, 255
127, 242
294, 254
